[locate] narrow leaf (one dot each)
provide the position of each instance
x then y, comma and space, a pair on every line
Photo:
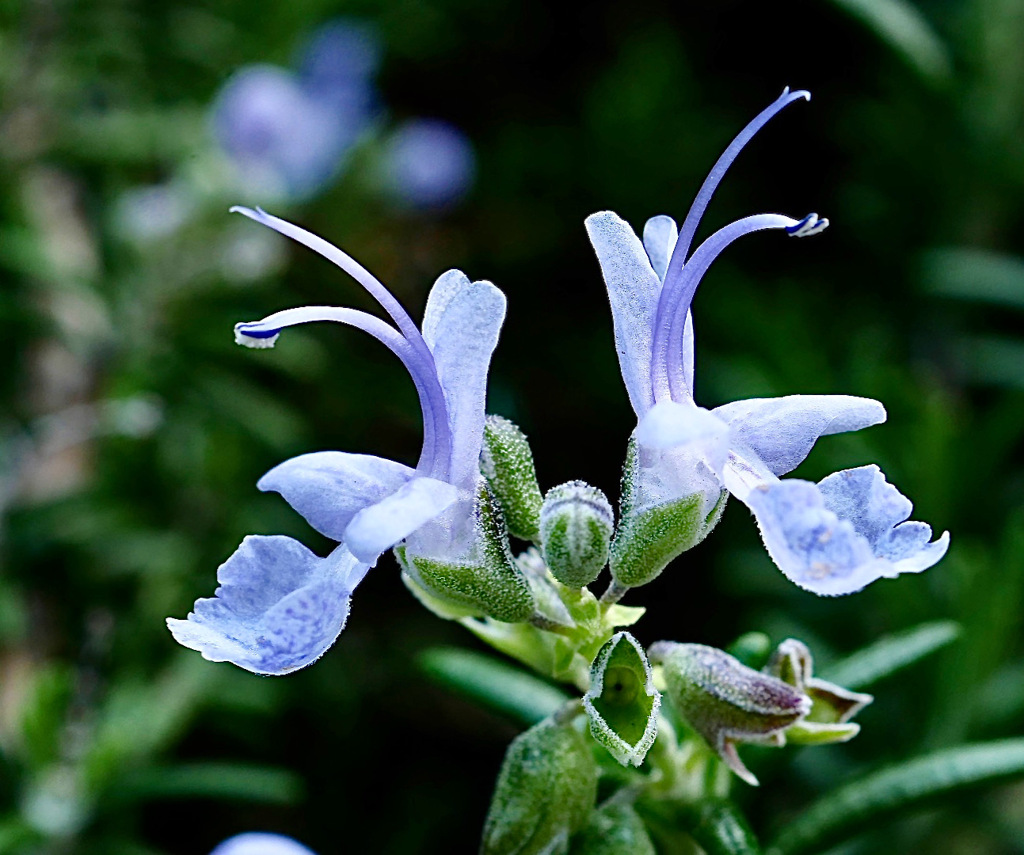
503, 688
975, 274
720, 829
864, 803
715, 824
901, 26
235, 781
890, 654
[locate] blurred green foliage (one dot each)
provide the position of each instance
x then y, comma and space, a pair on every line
132, 430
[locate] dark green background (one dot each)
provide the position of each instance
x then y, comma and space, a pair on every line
912, 146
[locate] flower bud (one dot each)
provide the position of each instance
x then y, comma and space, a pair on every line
545, 792
832, 706
613, 830
507, 463
622, 703
659, 521
725, 701
484, 581
576, 524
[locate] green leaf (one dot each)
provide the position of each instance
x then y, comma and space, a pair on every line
891, 653
975, 274
864, 803
719, 828
494, 684
235, 781
715, 824
613, 830
544, 793
990, 359
17, 836
901, 26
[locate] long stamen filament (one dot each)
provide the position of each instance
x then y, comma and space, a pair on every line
667, 358
707, 189
434, 458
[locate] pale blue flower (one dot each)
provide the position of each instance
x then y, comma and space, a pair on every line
279, 606
261, 843
816, 534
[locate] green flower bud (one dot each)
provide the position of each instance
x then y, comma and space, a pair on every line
622, 703
651, 534
832, 706
507, 463
576, 524
725, 701
486, 581
545, 792
613, 830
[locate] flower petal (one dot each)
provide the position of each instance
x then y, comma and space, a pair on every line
448, 284
879, 511
277, 609
398, 515
782, 431
633, 289
836, 537
660, 234
669, 425
462, 331
260, 843
328, 488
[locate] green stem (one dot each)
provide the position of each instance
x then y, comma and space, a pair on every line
614, 593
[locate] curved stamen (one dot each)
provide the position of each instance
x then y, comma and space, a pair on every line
707, 189
809, 225
668, 378
352, 267
436, 433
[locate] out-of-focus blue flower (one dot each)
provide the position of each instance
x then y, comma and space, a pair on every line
279, 606
289, 133
428, 163
833, 538
338, 64
282, 140
260, 843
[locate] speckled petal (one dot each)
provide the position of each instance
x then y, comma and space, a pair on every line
782, 431
277, 609
836, 537
879, 511
330, 487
